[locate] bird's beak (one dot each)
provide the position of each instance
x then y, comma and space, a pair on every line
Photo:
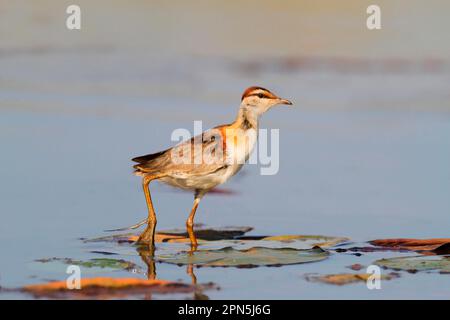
284, 101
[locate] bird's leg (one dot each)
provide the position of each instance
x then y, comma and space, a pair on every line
190, 222
148, 236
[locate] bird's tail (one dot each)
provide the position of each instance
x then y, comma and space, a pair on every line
134, 226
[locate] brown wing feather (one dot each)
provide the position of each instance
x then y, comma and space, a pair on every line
151, 163
161, 161
148, 157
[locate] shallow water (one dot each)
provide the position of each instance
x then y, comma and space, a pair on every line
364, 154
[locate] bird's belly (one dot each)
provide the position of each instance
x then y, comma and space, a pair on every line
202, 182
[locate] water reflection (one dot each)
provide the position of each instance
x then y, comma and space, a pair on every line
147, 254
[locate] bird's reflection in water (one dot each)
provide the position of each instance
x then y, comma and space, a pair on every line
147, 254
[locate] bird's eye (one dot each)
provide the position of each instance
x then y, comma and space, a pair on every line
260, 95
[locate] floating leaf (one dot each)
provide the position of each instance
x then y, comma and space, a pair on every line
131, 238
227, 247
232, 237
91, 266
276, 242
346, 278
178, 235
103, 263
253, 257
417, 263
424, 246
108, 288
368, 249
309, 240
210, 234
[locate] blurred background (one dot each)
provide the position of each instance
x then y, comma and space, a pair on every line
365, 153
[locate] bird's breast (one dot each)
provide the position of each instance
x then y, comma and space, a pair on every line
239, 144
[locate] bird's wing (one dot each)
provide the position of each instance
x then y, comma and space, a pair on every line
200, 155
152, 163
148, 157
203, 154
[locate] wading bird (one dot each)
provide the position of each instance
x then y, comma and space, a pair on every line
205, 161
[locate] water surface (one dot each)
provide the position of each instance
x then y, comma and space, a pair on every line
364, 153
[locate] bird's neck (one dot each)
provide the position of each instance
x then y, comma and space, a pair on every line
246, 119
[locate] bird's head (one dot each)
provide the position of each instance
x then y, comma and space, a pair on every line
259, 100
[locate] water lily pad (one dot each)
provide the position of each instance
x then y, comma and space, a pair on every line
179, 235
220, 238
253, 257
131, 238
107, 288
210, 234
276, 242
103, 264
417, 263
424, 246
346, 278
309, 240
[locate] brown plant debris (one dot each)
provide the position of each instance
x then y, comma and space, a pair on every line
346, 278
424, 246
104, 288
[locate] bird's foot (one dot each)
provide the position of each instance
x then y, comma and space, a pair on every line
193, 248
147, 237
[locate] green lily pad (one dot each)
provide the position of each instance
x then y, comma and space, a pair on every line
223, 237
308, 241
346, 278
276, 242
106, 263
417, 263
98, 263
253, 257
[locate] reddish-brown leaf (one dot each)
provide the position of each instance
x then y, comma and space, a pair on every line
107, 288
346, 278
425, 246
